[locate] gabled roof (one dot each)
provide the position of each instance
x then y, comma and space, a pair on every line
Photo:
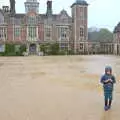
64, 12
117, 28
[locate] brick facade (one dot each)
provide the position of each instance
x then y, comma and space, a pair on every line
35, 28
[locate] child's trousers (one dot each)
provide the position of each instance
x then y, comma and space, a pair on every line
108, 94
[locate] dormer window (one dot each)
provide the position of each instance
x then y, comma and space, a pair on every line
64, 16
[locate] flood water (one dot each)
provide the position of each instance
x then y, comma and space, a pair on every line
56, 88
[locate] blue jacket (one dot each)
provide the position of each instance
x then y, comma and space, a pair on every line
109, 85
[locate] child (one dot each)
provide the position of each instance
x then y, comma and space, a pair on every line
108, 81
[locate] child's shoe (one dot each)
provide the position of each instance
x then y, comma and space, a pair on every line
106, 108
109, 107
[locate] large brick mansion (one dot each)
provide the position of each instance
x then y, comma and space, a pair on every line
33, 28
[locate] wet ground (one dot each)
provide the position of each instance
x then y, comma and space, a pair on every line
56, 88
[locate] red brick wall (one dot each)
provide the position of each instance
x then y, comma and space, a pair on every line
10, 33
23, 33
41, 32
80, 21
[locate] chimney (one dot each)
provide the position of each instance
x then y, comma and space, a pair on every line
49, 8
5, 9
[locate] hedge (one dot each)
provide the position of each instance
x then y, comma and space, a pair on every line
10, 50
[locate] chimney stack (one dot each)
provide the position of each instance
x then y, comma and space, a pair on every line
49, 8
6, 9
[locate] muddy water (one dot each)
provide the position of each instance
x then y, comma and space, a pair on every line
56, 88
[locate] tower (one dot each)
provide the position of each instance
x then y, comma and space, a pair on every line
32, 5
80, 19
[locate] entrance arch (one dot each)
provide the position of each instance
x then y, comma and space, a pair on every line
32, 48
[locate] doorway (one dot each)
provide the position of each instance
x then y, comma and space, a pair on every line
32, 48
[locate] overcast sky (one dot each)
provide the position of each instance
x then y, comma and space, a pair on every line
102, 13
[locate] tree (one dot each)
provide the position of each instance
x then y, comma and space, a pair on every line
50, 49
45, 48
54, 49
103, 35
14, 49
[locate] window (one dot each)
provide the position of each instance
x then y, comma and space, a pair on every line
17, 32
2, 48
81, 32
85, 12
2, 33
32, 20
48, 32
32, 32
81, 13
81, 46
63, 33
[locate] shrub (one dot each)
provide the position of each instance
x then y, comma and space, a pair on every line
13, 50
2, 53
22, 49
